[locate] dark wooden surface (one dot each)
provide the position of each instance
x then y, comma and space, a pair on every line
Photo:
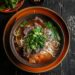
66, 9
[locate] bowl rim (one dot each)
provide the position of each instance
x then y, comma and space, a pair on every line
57, 16
15, 9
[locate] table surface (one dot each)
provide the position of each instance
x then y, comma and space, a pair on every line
66, 9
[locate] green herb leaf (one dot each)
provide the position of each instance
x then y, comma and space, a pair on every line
23, 23
54, 30
35, 40
48, 24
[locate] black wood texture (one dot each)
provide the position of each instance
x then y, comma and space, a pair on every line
66, 9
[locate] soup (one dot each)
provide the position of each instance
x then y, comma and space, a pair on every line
37, 40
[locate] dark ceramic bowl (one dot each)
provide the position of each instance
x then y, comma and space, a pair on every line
18, 6
29, 13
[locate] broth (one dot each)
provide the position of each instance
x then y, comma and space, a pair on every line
38, 40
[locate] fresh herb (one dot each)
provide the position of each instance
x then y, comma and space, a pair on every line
49, 25
12, 3
23, 23
9, 4
53, 29
35, 39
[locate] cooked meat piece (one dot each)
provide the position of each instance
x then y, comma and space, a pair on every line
39, 19
41, 57
38, 22
27, 30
